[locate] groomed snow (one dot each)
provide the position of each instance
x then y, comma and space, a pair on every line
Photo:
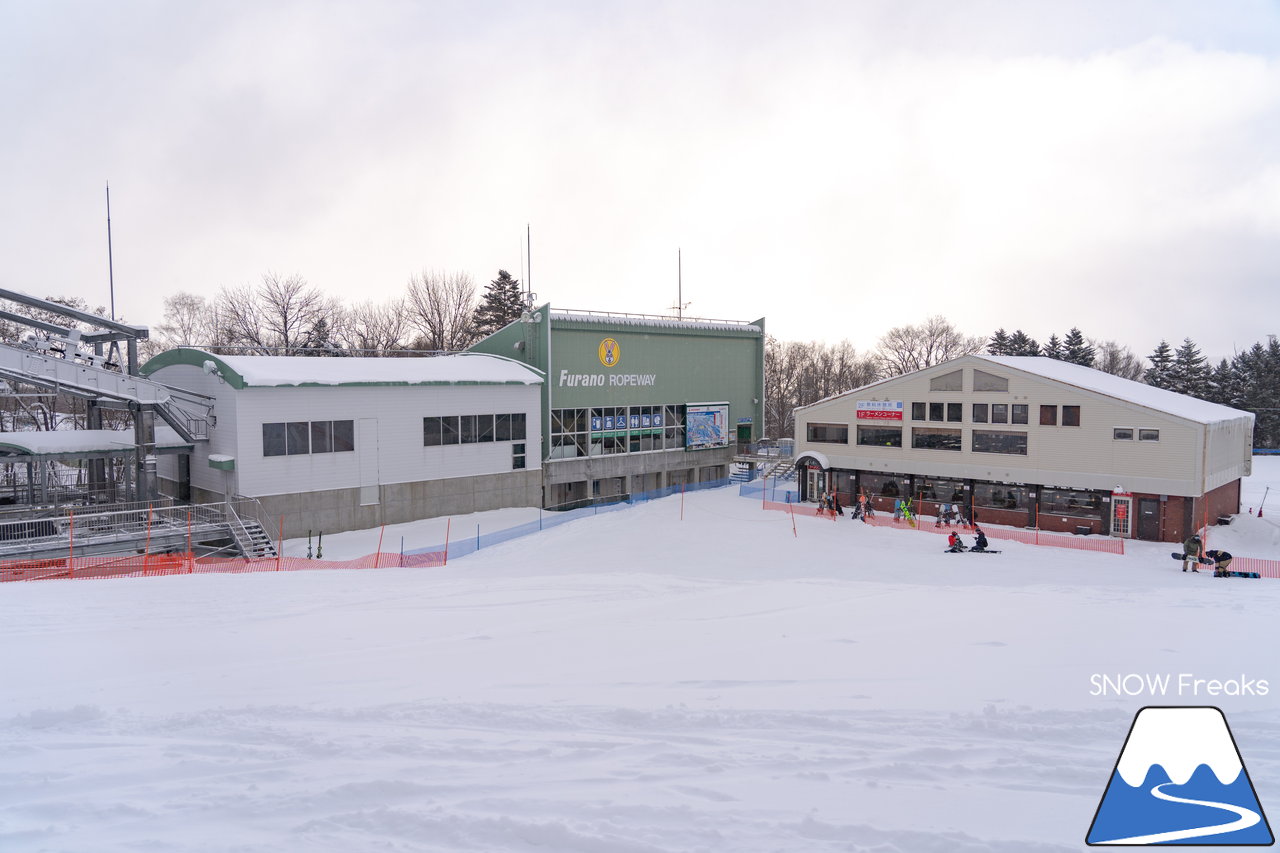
631, 682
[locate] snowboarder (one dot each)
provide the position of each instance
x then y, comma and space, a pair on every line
835, 503
1221, 563
1191, 553
956, 543
897, 510
980, 544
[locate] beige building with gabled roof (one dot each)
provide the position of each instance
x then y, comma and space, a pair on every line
1030, 441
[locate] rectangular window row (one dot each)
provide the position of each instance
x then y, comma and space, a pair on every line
828, 433
994, 413
927, 438
472, 429
1126, 434
299, 437
607, 430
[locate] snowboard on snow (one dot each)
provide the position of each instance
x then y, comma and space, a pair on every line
972, 551
1206, 561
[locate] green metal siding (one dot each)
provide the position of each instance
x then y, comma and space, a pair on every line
657, 365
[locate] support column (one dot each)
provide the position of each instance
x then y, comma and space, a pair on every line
144, 436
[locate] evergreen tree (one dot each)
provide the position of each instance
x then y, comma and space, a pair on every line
999, 344
1020, 343
1078, 350
1161, 363
1224, 385
501, 303
1054, 349
319, 341
1189, 373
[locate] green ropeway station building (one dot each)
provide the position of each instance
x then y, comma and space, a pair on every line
634, 403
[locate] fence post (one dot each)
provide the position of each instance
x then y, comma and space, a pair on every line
71, 547
682, 501
146, 549
447, 525
377, 557
280, 544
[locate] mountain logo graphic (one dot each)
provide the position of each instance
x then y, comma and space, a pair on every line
1180, 780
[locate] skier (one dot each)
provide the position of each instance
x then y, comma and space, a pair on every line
980, 544
1221, 562
956, 543
1191, 553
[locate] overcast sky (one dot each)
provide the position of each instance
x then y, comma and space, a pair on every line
836, 167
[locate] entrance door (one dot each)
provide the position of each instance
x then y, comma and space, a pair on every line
1122, 516
817, 484
1148, 519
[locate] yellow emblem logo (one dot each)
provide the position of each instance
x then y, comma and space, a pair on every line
609, 352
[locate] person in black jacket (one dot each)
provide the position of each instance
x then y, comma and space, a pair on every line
1221, 560
981, 542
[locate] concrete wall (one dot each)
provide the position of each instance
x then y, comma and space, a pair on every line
336, 510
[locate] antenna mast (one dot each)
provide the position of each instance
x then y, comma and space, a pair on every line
111, 277
680, 303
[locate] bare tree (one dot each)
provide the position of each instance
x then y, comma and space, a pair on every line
906, 349
799, 373
371, 329
442, 307
1118, 360
188, 321
275, 318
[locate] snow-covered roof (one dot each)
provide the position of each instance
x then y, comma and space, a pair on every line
1138, 393
70, 442
269, 371
611, 319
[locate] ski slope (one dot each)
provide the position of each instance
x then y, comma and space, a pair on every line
631, 682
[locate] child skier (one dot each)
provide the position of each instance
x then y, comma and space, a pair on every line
956, 543
980, 544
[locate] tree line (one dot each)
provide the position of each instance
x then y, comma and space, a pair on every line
285, 315
801, 373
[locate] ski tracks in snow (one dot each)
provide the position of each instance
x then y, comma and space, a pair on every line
466, 777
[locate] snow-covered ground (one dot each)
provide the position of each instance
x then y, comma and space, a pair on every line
629, 682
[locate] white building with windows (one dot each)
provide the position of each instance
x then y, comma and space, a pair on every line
1030, 441
331, 444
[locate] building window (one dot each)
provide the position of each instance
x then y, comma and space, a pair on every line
885, 485
517, 456
955, 412
465, 429
1122, 434
935, 411
979, 413
917, 412
1148, 435
297, 438
828, 433
953, 381
273, 439
1019, 413
1071, 416
344, 436
1013, 443
925, 438
1048, 416
1070, 503
870, 436
1000, 496
322, 436
999, 413
983, 381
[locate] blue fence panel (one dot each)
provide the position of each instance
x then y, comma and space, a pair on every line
468, 542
